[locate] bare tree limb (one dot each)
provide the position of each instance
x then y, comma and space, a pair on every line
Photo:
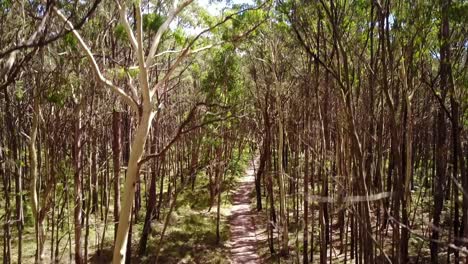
43, 42
123, 19
163, 28
103, 80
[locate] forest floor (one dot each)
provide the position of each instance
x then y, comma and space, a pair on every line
243, 238
190, 236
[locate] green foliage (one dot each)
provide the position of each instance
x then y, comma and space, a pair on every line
19, 91
179, 36
62, 93
193, 239
223, 83
285, 7
28, 217
206, 18
58, 97
244, 22
152, 22
459, 12
191, 236
121, 72
20, 163
133, 72
120, 33
196, 70
282, 26
70, 40
5, 4
239, 162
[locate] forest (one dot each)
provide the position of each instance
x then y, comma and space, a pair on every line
234, 131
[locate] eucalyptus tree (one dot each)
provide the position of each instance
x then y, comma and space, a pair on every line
144, 98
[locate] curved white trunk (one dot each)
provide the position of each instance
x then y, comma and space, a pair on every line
138, 146
38, 225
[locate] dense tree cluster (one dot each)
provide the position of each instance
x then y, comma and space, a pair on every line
363, 129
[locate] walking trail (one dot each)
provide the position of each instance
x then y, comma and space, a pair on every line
243, 239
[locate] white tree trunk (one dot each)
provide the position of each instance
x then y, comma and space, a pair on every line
283, 211
39, 229
138, 146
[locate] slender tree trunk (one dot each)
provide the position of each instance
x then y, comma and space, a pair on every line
305, 256
150, 207
260, 173
5, 173
283, 217
94, 174
441, 144
116, 150
161, 188
34, 177
78, 192
218, 207
136, 153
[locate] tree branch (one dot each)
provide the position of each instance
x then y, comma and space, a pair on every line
117, 90
187, 51
180, 131
157, 38
43, 42
126, 25
143, 73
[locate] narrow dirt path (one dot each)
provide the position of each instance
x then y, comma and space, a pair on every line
243, 240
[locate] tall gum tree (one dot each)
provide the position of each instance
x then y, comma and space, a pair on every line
141, 100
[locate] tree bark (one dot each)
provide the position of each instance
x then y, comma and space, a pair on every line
78, 192
283, 216
136, 153
39, 228
305, 256
441, 141
116, 151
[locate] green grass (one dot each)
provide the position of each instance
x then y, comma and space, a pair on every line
191, 239
190, 236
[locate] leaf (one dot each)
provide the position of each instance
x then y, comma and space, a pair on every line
133, 72
19, 93
5, 4
459, 13
152, 22
179, 36
120, 33
71, 40
56, 98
